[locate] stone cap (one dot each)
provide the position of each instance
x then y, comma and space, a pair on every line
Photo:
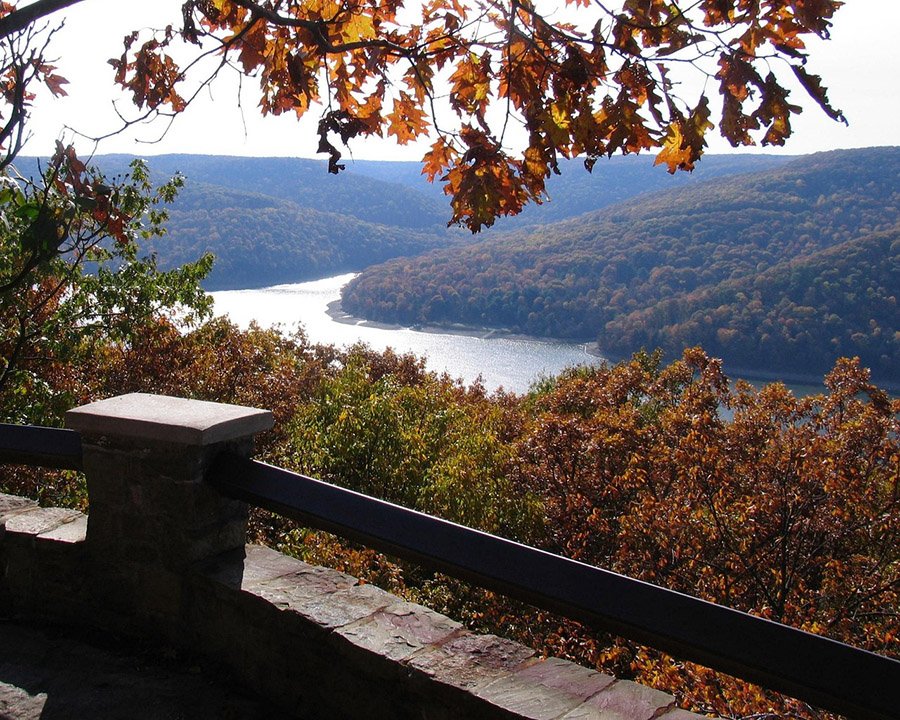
169, 419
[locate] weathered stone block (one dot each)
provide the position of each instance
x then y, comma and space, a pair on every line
169, 419
572, 679
523, 696
18, 704
243, 568
67, 533
39, 520
12, 504
315, 604
398, 630
623, 700
467, 661
150, 503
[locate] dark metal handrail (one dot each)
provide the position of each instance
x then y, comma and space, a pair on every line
815, 669
42, 446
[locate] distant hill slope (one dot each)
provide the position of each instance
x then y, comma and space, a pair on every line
797, 316
396, 193
576, 191
261, 240
619, 179
307, 184
659, 261
275, 220
278, 220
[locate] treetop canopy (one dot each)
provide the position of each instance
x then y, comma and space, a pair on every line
591, 79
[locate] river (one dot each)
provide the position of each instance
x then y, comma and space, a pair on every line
511, 362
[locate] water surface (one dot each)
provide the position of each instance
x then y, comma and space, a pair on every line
511, 362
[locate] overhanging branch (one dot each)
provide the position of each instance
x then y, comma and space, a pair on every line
21, 18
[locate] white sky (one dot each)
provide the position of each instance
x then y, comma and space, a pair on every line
860, 65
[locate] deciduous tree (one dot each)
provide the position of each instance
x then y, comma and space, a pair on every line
590, 80
789, 509
70, 274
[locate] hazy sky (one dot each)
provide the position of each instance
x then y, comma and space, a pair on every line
860, 65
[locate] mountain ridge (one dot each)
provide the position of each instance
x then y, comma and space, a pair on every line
574, 279
370, 213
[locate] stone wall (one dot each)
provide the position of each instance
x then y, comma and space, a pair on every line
162, 557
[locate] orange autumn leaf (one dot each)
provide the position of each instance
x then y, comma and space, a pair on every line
595, 83
407, 121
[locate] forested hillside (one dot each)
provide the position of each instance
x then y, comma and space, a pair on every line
278, 220
575, 191
260, 240
840, 302
307, 183
652, 270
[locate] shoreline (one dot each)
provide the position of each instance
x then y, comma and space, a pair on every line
336, 312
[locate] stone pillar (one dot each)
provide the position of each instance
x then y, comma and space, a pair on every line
151, 514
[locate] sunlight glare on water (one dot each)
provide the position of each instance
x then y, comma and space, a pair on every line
513, 363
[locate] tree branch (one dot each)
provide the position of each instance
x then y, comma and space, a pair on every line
315, 28
21, 18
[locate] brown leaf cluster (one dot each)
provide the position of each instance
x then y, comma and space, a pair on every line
789, 510
464, 71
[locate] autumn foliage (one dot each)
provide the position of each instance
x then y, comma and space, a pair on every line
784, 507
588, 80
789, 509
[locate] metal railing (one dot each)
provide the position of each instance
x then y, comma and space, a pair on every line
826, 673
818, 670
41, 446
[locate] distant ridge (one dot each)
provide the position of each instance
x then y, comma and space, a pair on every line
278, 220
305, 183
784, 269
260, 240
396, 193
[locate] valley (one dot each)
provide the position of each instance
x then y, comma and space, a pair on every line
779, 265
